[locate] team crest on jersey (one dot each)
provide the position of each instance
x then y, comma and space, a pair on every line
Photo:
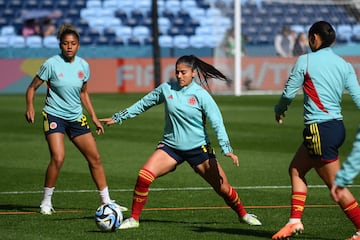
53, 125
81, 75
192, 101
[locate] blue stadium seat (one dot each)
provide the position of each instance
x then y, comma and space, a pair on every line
3, 4
188, 5
213, 13
297, 28
197, 41
86, 41
204, 30
47, 4
106, 12
148, 41
197, 13
134, 41
111, 4
121, 14
79, 4
356, 29
164, 24
213, 40
50, 42
166, 41
3, 22
4, 41
15, 4
88, 13
184, 14
31, 4
72, 13
181, 41
34, 42
173, 31
96, 4
141, 32
168, 14
109, 33
189, 31
97, 23
344, 33
178, 22
173, 5
118, 41
125, 32
137, 14
17, 41
225, 22
112, 22
63, 5
102, 41
93, 33
131, 22
143, 5
8, 30
126, 5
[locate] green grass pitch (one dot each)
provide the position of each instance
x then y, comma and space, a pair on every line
181, 205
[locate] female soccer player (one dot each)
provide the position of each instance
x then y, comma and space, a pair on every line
66, 76
187, 106
324, 76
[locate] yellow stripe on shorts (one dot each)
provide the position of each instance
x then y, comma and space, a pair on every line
316, 139
46, 122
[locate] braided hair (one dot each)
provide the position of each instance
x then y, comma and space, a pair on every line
204, 70
325, 31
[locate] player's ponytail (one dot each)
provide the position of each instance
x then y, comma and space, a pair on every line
204, 70
325, 31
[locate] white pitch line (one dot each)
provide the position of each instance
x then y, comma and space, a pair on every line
164, 189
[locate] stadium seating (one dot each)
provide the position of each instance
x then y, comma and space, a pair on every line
50, 42
181, 41
4, 41
34, 41
261, 20
166, 41
17, 41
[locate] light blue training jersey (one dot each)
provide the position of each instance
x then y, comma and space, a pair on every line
185, 111
351, 167
64, 82
324, 76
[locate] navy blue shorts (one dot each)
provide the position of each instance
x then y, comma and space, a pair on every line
194, 156
323, 140
73, 129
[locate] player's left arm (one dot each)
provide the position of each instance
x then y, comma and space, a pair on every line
86, 101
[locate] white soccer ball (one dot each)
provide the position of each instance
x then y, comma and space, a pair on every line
108, 217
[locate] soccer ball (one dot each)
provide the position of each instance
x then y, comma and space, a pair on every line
108, 217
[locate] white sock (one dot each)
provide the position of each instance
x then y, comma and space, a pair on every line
105, 196
48, 192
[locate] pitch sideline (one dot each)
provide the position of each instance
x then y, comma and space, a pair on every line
166, 189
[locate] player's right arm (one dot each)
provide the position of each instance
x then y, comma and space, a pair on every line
30, 94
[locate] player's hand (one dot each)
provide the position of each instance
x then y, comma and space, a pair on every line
107, 121
30, 115
278, 117
99, 126
234, 158
337, 192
